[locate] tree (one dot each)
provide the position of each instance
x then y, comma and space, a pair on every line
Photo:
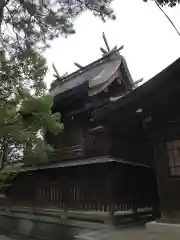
25, 110
26, 28
28, 25
170, 3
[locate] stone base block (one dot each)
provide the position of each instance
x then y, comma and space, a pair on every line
163, 231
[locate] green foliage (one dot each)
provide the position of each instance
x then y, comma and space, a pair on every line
25, 73
170, 3
25, 110
28, 25
8, 174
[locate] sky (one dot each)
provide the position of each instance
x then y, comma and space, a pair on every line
150, 42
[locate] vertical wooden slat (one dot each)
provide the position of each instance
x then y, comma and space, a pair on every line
85, 188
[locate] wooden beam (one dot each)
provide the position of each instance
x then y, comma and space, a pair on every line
78, 65
105, 40
114, 49
120, 48
138, 81
56, 71
54, 75
103, 50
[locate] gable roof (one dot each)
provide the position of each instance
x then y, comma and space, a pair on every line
97, 75
155, 85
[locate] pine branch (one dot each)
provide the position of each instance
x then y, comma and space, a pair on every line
171, 22
3, 3
92, 9
7, 124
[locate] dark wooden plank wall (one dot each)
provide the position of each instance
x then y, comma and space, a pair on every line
101, 187
132, 147
70, 136
96, 143
168, 185
78, 136
135, 187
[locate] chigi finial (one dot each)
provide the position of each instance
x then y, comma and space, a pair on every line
108, 51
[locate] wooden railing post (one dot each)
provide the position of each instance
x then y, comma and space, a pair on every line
111, 195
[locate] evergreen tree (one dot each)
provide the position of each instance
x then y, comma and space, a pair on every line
26, 28
25, 110
170, 3
28, 25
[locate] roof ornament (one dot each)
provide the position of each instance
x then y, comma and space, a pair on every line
105, 52
106, 42
109, 51
116, 49
78, 65
139, 81
57, 75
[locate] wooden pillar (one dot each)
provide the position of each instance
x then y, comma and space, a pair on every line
111, 194
134, 190
161, 169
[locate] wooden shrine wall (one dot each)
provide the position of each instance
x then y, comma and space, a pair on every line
98, 187
132, 147
167, 159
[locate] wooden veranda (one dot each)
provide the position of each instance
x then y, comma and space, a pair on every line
101, 187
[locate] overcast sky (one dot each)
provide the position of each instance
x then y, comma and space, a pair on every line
150, 42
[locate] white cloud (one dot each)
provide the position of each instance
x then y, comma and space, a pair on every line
150, 42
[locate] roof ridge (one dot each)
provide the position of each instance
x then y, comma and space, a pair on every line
82, 70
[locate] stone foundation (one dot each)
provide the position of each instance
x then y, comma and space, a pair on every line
44, 225
163, 231
39, 227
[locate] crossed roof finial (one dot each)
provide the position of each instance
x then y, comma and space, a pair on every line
108, 51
